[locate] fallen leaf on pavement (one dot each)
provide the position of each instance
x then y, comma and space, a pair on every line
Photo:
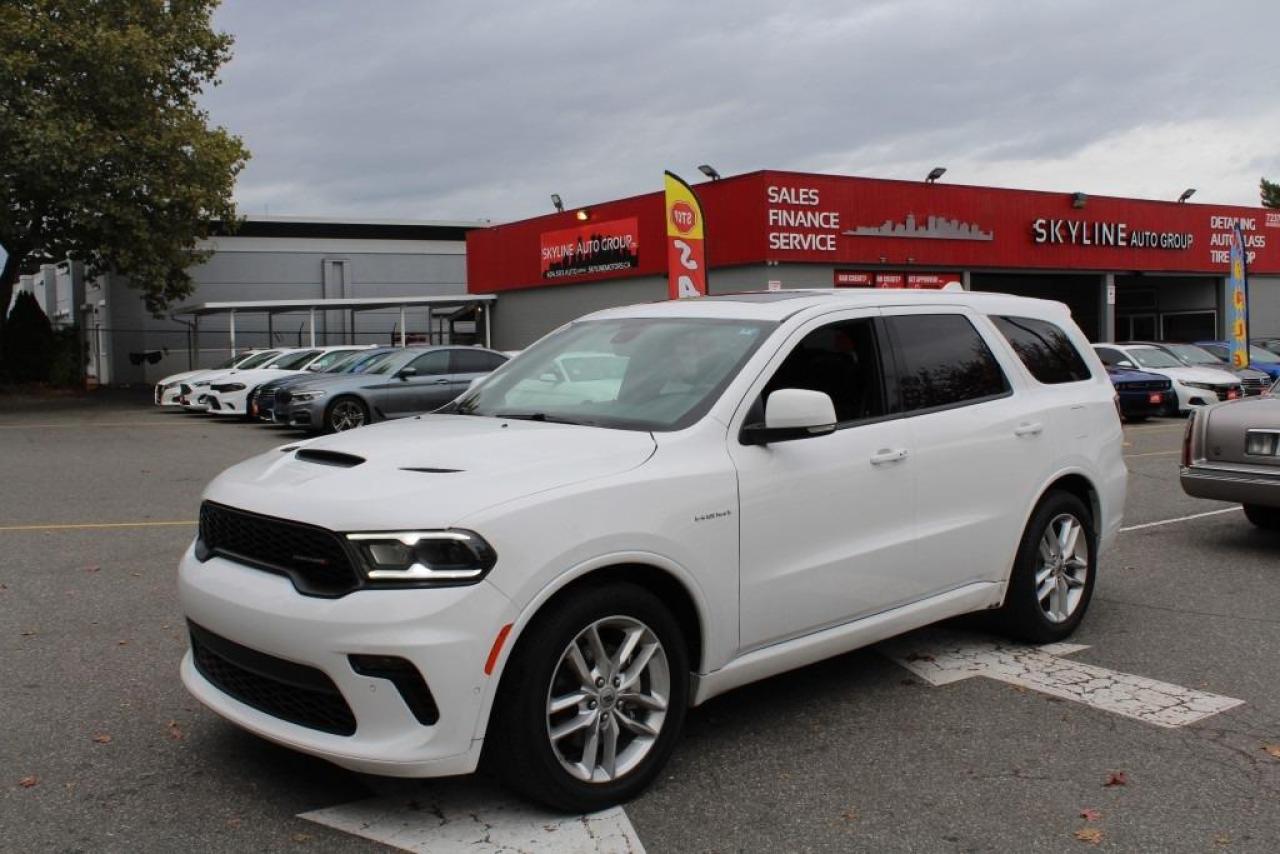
1272, 749
92, 568
29, 633
122, 643
29, 781
175, 731
102, 739
233, 823
1089, 834
301, 837
1116, 778
920, 656
1222, 839
850, 814
1090, 815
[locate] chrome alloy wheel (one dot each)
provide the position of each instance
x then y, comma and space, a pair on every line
608, 699
1064, 567
346, 415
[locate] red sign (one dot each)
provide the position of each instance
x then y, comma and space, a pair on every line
852, 279
598, 247
791, 217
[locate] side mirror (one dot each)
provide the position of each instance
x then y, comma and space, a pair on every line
792, 413
549, 377
1124, 363
405, 373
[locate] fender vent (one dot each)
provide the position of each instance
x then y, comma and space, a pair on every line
428, 470
329, 458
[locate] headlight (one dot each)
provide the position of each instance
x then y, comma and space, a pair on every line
1204, 386
303, 396
424, 557
220, 387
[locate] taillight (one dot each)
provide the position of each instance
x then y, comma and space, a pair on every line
1186, 439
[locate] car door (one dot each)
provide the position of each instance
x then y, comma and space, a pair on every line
981, 443
826, 522
405, 394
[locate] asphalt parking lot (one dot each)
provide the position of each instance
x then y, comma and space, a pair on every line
101, 749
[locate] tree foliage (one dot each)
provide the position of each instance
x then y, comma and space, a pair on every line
105, 154
1270, 193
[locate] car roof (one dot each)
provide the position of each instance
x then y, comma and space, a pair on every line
780, 305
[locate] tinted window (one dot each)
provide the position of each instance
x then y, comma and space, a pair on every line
1110, 356
293, 361
842, 361
435, 362
473, 361
942, 361
1044, 348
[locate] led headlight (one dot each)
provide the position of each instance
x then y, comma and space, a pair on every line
228, 387
306, 394
424, 557
1204, 386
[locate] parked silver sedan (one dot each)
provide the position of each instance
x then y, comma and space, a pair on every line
1232, 453
409, 382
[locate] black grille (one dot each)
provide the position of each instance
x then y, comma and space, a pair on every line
283, 396
314, 558
1147, 385
293, 692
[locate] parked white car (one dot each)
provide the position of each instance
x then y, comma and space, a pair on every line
168, 390
227, 394
1194, 387
549, 584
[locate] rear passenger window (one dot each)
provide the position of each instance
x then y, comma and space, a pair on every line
943, 361
1044, 348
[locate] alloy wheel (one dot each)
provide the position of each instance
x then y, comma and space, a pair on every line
346, 415
608, 699
1064, 567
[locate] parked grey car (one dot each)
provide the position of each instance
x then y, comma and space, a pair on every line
262, 401
1232, 453
416, 380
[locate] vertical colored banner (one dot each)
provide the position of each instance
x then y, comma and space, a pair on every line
1238, 302
686, 254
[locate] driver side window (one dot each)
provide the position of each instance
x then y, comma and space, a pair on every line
435, 362
842, 360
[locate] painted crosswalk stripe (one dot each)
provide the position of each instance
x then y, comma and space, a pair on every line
940, 657
470, 817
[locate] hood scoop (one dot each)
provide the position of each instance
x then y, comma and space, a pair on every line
328, 458
429, 470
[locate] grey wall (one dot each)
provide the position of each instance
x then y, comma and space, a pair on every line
1264, 307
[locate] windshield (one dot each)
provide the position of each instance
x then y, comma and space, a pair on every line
330, 360
1193, 355
366, 363
1149, 357
291, 361
632, 373
258, 359
1266, 357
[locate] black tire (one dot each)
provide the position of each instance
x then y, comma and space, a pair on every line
1267, 518
1023, 616
518, 746
339, 403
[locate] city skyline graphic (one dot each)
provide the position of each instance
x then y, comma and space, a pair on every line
931, 228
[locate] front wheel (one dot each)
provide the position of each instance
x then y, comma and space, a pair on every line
1267, 518
1054, 572
592, 700
346, 413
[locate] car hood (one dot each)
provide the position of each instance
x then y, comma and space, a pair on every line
1125, 375
430, 471
256, 375
1198, 375
186, 375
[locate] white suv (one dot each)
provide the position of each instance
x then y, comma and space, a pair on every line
548, 574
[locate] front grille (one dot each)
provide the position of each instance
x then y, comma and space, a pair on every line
1254, 385
283, 396
292, 692
313, 558
1147, 385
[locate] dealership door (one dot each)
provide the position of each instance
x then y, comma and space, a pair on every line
1136, 327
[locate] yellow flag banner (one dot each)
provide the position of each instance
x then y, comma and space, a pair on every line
686, 251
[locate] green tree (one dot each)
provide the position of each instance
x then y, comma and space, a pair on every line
105, 155
1270, 194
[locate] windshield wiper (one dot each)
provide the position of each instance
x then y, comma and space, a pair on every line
541, 416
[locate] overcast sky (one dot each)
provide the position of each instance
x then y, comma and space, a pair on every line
410, 109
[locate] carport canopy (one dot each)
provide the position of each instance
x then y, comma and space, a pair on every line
450, 303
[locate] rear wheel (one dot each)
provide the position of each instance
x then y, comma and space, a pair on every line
1267, 518
592, 701
1053, 573
346, 413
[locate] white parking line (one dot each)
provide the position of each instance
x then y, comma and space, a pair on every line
467, 817
941, 657
1180, 519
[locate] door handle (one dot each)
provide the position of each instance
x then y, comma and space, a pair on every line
440, 382
1029, 429
887, 455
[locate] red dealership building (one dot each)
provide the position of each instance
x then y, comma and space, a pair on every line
1128, 268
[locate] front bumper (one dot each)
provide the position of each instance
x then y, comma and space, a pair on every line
445, 633
1221, 484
